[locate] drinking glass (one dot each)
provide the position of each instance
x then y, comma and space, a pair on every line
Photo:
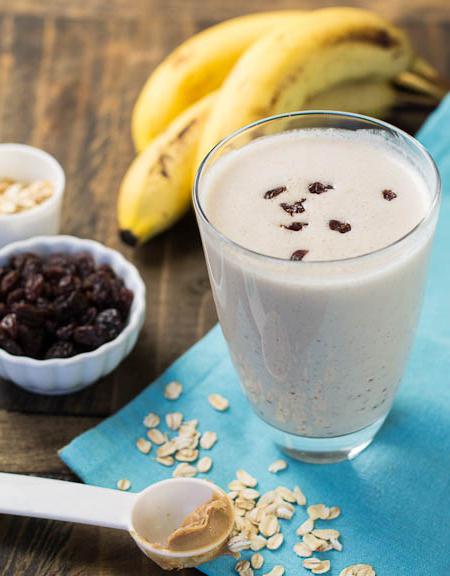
320, 347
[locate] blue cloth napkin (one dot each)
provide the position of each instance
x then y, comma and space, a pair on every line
395, 496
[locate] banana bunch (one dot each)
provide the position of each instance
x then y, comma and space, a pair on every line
245, 69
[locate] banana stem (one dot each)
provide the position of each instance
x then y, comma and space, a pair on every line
411, 81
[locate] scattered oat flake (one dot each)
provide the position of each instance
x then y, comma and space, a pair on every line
278, 466
277, 570
156, 436
285, 493
316, 511
326, 534
306, 527
204, 464
269, 525
258, 543
208, 440
218, 402
242, 565
358, 570
249, 494
187, 455
333, 513
244, 503
310, 563
238, 543
173, 390
246, 479
336, 544
322, 568
183, 442
255, 516
143, 445
301, 549
165, 460
267, 498
167, 449
275, 541
184, 470
236, 485
174, 420
284, 512
299, 496
123, 484
151, 420
257, 561
312, 542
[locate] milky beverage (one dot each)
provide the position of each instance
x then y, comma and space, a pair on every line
319, 337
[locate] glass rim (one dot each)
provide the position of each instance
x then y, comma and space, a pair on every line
349, 115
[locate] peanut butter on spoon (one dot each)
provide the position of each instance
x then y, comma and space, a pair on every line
202, 527
175, 540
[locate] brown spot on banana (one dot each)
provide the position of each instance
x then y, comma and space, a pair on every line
379, 37
182, 133
162, 163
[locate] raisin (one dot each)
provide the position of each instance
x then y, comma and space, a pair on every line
274, 192
125, 301
88, 336
319, 188
295, 208
109, 323
53, 272
295, 226
31, 340
34, 287
85, 264
19, 260
89, 316
9, 345
17, 295
29, 314
9, 325
9, 281
341, 227
71, 305
60, 350
299, 254
65, 332
32, 265
389, 195
67, 284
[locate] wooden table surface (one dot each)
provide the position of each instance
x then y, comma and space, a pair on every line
70, 71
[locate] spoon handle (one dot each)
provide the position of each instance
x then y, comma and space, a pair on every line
67, 501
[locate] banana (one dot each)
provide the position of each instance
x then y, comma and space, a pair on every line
283, 70
370, 97
195, 68
156, 189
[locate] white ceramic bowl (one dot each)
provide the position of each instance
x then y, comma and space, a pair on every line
66, 375
23, 162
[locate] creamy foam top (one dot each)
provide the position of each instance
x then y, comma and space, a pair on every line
359, 166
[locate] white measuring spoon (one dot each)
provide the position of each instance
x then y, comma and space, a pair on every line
149, 516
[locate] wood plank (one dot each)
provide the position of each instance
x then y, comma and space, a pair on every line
31, 547
29, 444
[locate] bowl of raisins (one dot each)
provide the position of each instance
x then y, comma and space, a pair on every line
70, 311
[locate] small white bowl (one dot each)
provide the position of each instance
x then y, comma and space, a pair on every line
66, 375
22, 162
